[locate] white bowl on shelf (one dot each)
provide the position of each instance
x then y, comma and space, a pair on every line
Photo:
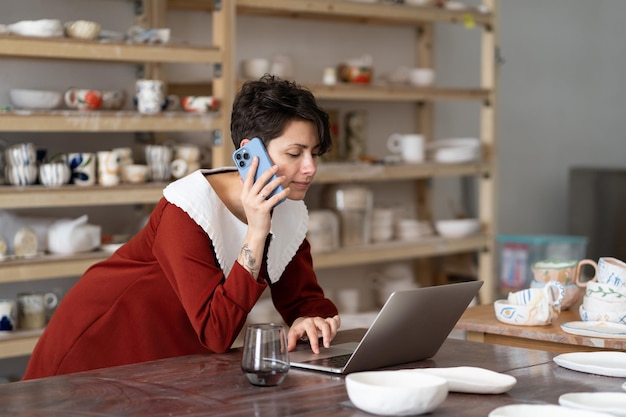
35, 99
455, 150
396, 393
44, 28
457, 227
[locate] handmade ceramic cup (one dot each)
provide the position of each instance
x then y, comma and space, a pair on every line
113, 99
20, 175
532, 306
563, 271
108, 168
83, 167
21, 154
54, 174
608, 271
83, 98
32, 307
8, 315
199, 104
135, 173
572, 294
409, 146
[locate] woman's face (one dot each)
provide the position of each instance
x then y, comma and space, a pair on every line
296, 153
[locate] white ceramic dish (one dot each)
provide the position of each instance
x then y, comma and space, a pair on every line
607, 363
542, 410
607, 402
44, 28
110, 247
457, 227
396, 393
473, 380
604, 329
456, 150
35, 99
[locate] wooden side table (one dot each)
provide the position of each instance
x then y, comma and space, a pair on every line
481, 325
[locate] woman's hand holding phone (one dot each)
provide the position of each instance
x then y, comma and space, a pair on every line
243, 158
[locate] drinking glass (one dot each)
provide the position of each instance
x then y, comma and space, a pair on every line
265, 359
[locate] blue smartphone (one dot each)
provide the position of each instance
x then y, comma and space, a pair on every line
243, 158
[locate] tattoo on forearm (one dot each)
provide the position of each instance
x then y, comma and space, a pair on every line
248, 260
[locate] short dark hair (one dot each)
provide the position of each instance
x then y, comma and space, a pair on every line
263, 109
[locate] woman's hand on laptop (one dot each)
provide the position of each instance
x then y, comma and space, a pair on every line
313, 329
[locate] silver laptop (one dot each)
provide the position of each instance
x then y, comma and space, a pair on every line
411, 326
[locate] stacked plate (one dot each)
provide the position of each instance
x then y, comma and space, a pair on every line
454, 151
412, 229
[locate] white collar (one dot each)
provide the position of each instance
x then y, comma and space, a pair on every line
194, 195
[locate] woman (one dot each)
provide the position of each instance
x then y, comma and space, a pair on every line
187, 281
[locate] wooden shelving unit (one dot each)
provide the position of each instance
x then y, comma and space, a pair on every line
225, 13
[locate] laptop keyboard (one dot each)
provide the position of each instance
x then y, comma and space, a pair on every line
333, 362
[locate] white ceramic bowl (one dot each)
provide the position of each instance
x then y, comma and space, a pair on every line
35, 99
612, 316
255, 68
44, 28
592, 303
457, 227
421, 76
82, 29
456, 150
606, 292
396, 393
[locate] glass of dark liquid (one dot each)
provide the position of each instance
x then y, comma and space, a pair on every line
265, 359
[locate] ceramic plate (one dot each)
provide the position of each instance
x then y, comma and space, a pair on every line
542, 410
605, 329
608, 402
605, 363
473, 380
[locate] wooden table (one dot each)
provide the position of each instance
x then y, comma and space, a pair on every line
213, 385
481, 325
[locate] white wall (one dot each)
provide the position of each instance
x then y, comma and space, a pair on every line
561, 98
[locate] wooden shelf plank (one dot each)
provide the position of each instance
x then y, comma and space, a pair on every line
18, 342
105, 121
389, 92
397, 250
395, 93
56, 266
359, 12
333, 173
78, 49
49, 266
38, 196
204, 5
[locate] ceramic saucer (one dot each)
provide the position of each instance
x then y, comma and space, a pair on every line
542, 410
607, 363
604, 329
609, 402
473, 380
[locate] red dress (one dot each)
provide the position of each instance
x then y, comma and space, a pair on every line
163, 294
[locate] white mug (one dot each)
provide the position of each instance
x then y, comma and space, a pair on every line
83, 166
409, 146
149, 95
108, 168
32, 308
